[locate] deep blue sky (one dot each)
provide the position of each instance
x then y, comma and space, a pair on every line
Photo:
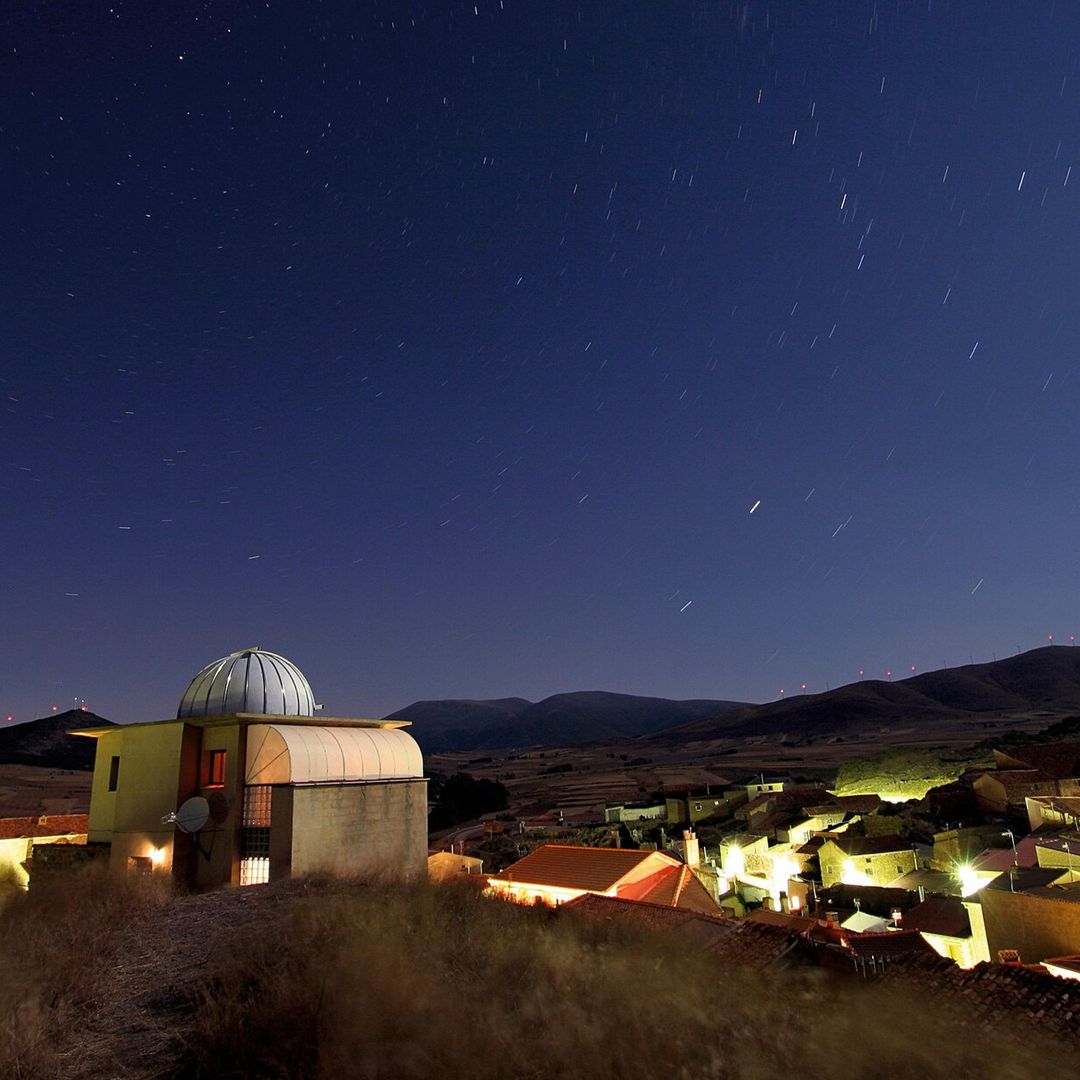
446, 350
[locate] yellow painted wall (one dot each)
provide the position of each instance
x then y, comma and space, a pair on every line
130, 817
103, 801
12, 855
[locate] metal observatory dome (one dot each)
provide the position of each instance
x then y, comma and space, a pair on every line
248, 681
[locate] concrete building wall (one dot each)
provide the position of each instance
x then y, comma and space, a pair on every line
359, 830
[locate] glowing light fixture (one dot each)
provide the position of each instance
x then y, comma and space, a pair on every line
157, 856
735, 863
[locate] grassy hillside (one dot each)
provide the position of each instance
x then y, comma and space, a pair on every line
336, 981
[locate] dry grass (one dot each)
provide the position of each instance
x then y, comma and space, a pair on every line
335, 980
423, 983
55, 949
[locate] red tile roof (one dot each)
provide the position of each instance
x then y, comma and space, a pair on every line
1009, 998
730, 942
565, 867
797, 924
672, 886
15, 828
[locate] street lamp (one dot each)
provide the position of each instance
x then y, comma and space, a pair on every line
1016, 857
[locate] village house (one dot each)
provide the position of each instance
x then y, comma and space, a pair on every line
1053, 811
1034, 771
621, 814
1032, 911
20, 836
1060, 851
446, 866
248, 785
945, 924
692, 808
864, 860
762, 785
557, 873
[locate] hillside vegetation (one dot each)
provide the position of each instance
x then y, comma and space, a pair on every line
907, 772
334, 980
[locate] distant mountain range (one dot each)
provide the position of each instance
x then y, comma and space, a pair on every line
1046, 679
561, 720
46, 742
1043, 679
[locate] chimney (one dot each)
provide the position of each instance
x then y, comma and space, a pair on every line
691, 851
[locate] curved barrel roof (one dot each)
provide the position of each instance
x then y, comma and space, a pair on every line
310, 754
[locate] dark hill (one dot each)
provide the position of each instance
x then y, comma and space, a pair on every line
456, 724
1043, 679
563, 719
46, 742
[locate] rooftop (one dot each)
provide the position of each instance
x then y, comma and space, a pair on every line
870, 845
945, 915
593, 869
1059, 760
16, 828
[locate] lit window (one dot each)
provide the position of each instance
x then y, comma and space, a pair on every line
114, 773
254, 870
215, 769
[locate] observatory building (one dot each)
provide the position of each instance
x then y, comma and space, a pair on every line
248, 785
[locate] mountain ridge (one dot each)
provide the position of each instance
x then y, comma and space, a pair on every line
1044, 678
561, 719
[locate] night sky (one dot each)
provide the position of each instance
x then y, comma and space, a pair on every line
686, 349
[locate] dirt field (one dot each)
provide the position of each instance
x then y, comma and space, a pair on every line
632, 770
27, 790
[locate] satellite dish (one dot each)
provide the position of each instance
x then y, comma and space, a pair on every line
191, 816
